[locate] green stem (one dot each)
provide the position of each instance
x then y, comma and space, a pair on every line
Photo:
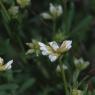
20, 43
83, 80
64, 3
54, 25
8, 29
64, 78
4, 9
75, 79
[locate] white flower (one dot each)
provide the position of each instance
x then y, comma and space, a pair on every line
80, 64
6, 66
54, 12
53, 51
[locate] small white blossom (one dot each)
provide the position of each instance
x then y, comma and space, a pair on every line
53, 51
6, 66
54, 12
80, 64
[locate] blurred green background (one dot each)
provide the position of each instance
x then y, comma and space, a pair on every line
32, 75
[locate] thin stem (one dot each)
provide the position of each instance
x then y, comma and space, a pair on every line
75, 79
54, 25
64, 77
64, 3
83, 80
8, 29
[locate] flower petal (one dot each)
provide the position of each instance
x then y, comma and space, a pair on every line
8, 65
54, 45
41, 44
1, 61
52, 9
46, 16
52, 57
30, 51
44, 52
43, 48
66, 45
59, 10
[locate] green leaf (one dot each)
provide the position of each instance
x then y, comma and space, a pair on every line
83, 25
27, 84
8, 87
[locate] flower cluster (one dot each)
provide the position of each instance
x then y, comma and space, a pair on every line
6, 66
53, 51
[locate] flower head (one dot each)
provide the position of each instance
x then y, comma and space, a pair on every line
53, 51
80, 64
54, 12
6, 66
